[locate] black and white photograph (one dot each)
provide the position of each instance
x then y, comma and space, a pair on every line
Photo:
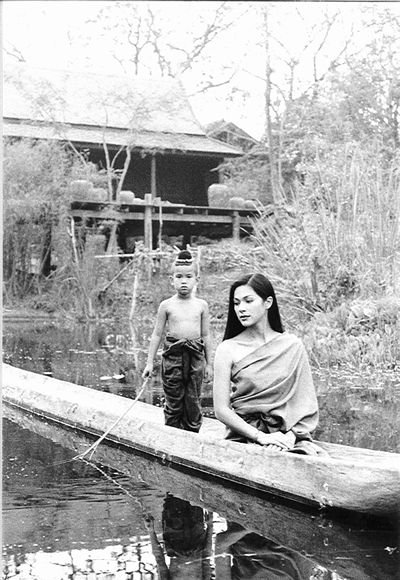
201, 290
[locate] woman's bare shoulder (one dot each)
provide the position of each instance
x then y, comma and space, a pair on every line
226, 346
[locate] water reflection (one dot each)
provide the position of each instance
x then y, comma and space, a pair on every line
186, 547
127, 516
101, 357
246, 555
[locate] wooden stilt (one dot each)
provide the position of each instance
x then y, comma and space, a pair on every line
236, 225
148, 226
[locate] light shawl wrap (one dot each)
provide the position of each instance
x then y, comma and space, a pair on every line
272, 388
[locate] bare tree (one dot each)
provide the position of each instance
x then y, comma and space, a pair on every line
285, 85
144, 39
14, 52
268, 120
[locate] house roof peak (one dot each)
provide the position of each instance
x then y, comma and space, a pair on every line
92, 108
102, 100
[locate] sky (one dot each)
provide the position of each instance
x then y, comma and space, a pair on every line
46, 33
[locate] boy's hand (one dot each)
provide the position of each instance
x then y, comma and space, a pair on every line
148, 371
208, 373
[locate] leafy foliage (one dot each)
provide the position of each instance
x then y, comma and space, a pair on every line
35, 179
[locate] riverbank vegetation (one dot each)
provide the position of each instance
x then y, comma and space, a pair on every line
331, 249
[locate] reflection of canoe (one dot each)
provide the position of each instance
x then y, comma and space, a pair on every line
350, 478
356, 553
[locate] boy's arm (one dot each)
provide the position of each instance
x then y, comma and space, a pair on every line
155, 339
205, 335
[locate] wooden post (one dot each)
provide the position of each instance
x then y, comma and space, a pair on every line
153, 183
45, 260
148, 225
236, 225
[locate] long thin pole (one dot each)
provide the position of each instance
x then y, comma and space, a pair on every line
92, 448
134, 294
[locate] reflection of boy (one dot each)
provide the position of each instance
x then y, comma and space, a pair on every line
186, 355
187, 541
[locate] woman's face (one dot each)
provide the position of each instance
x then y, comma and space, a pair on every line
249, 307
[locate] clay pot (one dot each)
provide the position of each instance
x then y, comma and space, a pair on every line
237, 202
250, 204
81, 189
218, 195
126, 197
99, 194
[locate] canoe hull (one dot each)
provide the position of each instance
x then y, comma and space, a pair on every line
325, 540
352, 479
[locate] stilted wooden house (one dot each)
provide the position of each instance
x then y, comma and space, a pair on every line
172, 160
171, 155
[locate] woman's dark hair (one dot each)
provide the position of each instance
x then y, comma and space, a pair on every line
261, 286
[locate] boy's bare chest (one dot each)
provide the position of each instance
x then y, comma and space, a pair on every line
184, 311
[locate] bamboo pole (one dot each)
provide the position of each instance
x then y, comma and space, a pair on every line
148, 226
134, 294
116, 256
198, 260
73, 241
115, 277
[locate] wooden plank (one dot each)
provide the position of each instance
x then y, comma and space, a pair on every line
205, 219
167, 207
173, 217
352, 479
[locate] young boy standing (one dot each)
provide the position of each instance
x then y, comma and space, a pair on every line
186, 354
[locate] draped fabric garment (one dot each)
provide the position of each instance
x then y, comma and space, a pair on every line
182, 372
272, 388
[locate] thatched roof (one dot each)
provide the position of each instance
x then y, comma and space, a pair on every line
87, 108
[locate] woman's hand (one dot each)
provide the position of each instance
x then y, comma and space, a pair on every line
277, 441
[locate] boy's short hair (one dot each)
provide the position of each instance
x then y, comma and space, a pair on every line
184, 258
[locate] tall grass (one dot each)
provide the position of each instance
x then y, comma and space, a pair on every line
338, 235
334, 249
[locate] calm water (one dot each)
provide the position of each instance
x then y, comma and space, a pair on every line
128, 517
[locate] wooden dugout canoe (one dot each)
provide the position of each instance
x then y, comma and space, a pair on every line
343, 545
354, 479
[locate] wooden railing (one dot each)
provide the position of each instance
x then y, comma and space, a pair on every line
150, 211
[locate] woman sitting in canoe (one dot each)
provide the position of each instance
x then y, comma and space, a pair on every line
263, 388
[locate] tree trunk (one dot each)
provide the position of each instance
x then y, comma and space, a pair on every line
268, 121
